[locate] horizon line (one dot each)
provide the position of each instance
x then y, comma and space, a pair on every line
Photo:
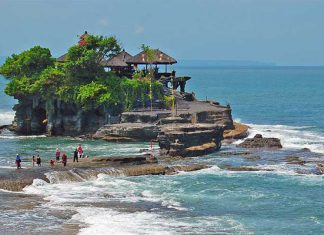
253, 63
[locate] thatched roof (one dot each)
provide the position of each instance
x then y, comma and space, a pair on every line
160, 58
62, 58
118, 60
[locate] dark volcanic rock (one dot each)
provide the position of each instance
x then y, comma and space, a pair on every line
246, 168
131, 160
320, 169
54, 117
259, 142
295, 160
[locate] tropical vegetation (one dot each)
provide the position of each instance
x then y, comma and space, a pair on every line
81, 79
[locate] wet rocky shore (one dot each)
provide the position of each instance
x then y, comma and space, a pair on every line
87, 169
256, 154
252, 154
194, 129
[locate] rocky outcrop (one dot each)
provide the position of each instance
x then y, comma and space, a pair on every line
194, 128
240, 131
30, 116
156, 169
130, 160
144, 117
259, 142
89, 168
319, 170
247, 168
295, 160
14, 184
190, 139
134, 131
54, 117
3, 127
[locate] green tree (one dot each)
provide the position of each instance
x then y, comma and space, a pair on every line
29, 63
81, 79
49, 80
91, 95
84, 63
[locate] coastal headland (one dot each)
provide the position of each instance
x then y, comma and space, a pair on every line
99, 91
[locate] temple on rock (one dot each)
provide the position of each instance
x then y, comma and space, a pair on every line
125, 65
97, 90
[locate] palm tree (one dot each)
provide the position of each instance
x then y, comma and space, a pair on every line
150, 56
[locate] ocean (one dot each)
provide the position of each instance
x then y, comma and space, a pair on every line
283, 102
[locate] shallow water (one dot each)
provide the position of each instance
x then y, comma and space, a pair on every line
276, 102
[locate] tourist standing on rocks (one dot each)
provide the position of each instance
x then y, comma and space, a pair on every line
33, 160
38, 161
57, 154
64, 159
80, 151
75, 156
52, 162
18, 162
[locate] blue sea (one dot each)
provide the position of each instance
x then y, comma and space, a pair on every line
283, 102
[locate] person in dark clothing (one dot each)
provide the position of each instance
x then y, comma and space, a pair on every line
75, 156
57, 154
33, 160
18, 161
64, 159
38, 161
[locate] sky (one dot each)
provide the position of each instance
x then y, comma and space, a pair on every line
285, 32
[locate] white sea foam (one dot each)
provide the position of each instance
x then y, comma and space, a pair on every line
107, 221
6, 134
290, 136
7, 167
238, 120
6, 117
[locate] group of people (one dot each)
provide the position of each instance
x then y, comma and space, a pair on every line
78, 153
36, 160
58, 156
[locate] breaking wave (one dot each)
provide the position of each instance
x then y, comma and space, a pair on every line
6, 117
291, 136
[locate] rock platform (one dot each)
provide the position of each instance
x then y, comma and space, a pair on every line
195, 128
89, 168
